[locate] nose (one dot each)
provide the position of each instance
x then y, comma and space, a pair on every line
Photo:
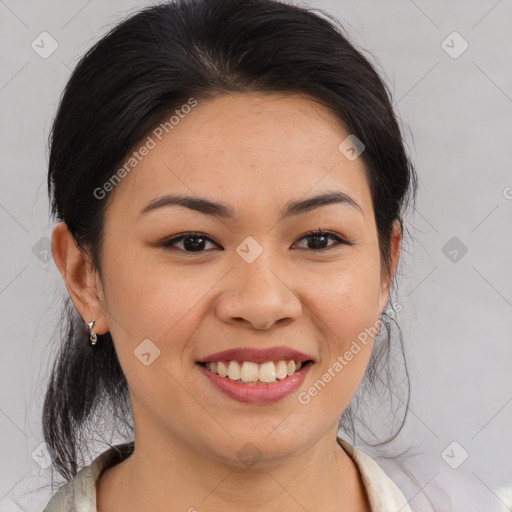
257, 295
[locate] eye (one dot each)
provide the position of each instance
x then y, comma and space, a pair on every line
318, 240
189, 242
198, 242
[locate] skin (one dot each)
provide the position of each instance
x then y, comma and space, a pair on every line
254, 153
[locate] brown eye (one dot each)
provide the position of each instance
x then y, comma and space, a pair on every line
319, 240
190, 242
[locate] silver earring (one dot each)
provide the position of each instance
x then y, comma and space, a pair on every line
92, 335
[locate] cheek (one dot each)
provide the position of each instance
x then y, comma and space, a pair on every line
154, 311
346, 298
346, 315
155, 301
344, 306
145, 301
145, 297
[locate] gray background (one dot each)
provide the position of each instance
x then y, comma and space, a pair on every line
457, 307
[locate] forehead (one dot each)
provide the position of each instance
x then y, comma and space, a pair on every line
251, 150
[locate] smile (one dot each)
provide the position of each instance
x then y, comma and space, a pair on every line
249, 372
255, 383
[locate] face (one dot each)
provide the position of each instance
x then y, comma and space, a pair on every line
183, 283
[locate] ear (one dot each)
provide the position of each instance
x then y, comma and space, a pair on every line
387, 276
83, 285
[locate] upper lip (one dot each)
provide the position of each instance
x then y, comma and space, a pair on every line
257, 355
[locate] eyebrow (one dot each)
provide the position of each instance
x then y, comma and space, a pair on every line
215, 209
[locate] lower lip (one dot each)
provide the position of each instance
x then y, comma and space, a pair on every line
257, 393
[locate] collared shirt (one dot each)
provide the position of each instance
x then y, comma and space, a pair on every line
79, 495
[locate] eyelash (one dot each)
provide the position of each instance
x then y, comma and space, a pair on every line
170, 244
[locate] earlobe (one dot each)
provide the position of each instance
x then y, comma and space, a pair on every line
77, 275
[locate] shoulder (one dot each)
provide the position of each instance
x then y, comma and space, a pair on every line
383, 494
425, 483
79, 495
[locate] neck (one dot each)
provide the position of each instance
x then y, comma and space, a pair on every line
171, 476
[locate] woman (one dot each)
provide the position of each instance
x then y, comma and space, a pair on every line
229, 181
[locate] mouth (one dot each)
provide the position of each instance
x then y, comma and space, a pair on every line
256, 375
250, 372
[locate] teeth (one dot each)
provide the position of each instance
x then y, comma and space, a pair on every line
221, 369
250, 372
268, 372
281, 372
234, 370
